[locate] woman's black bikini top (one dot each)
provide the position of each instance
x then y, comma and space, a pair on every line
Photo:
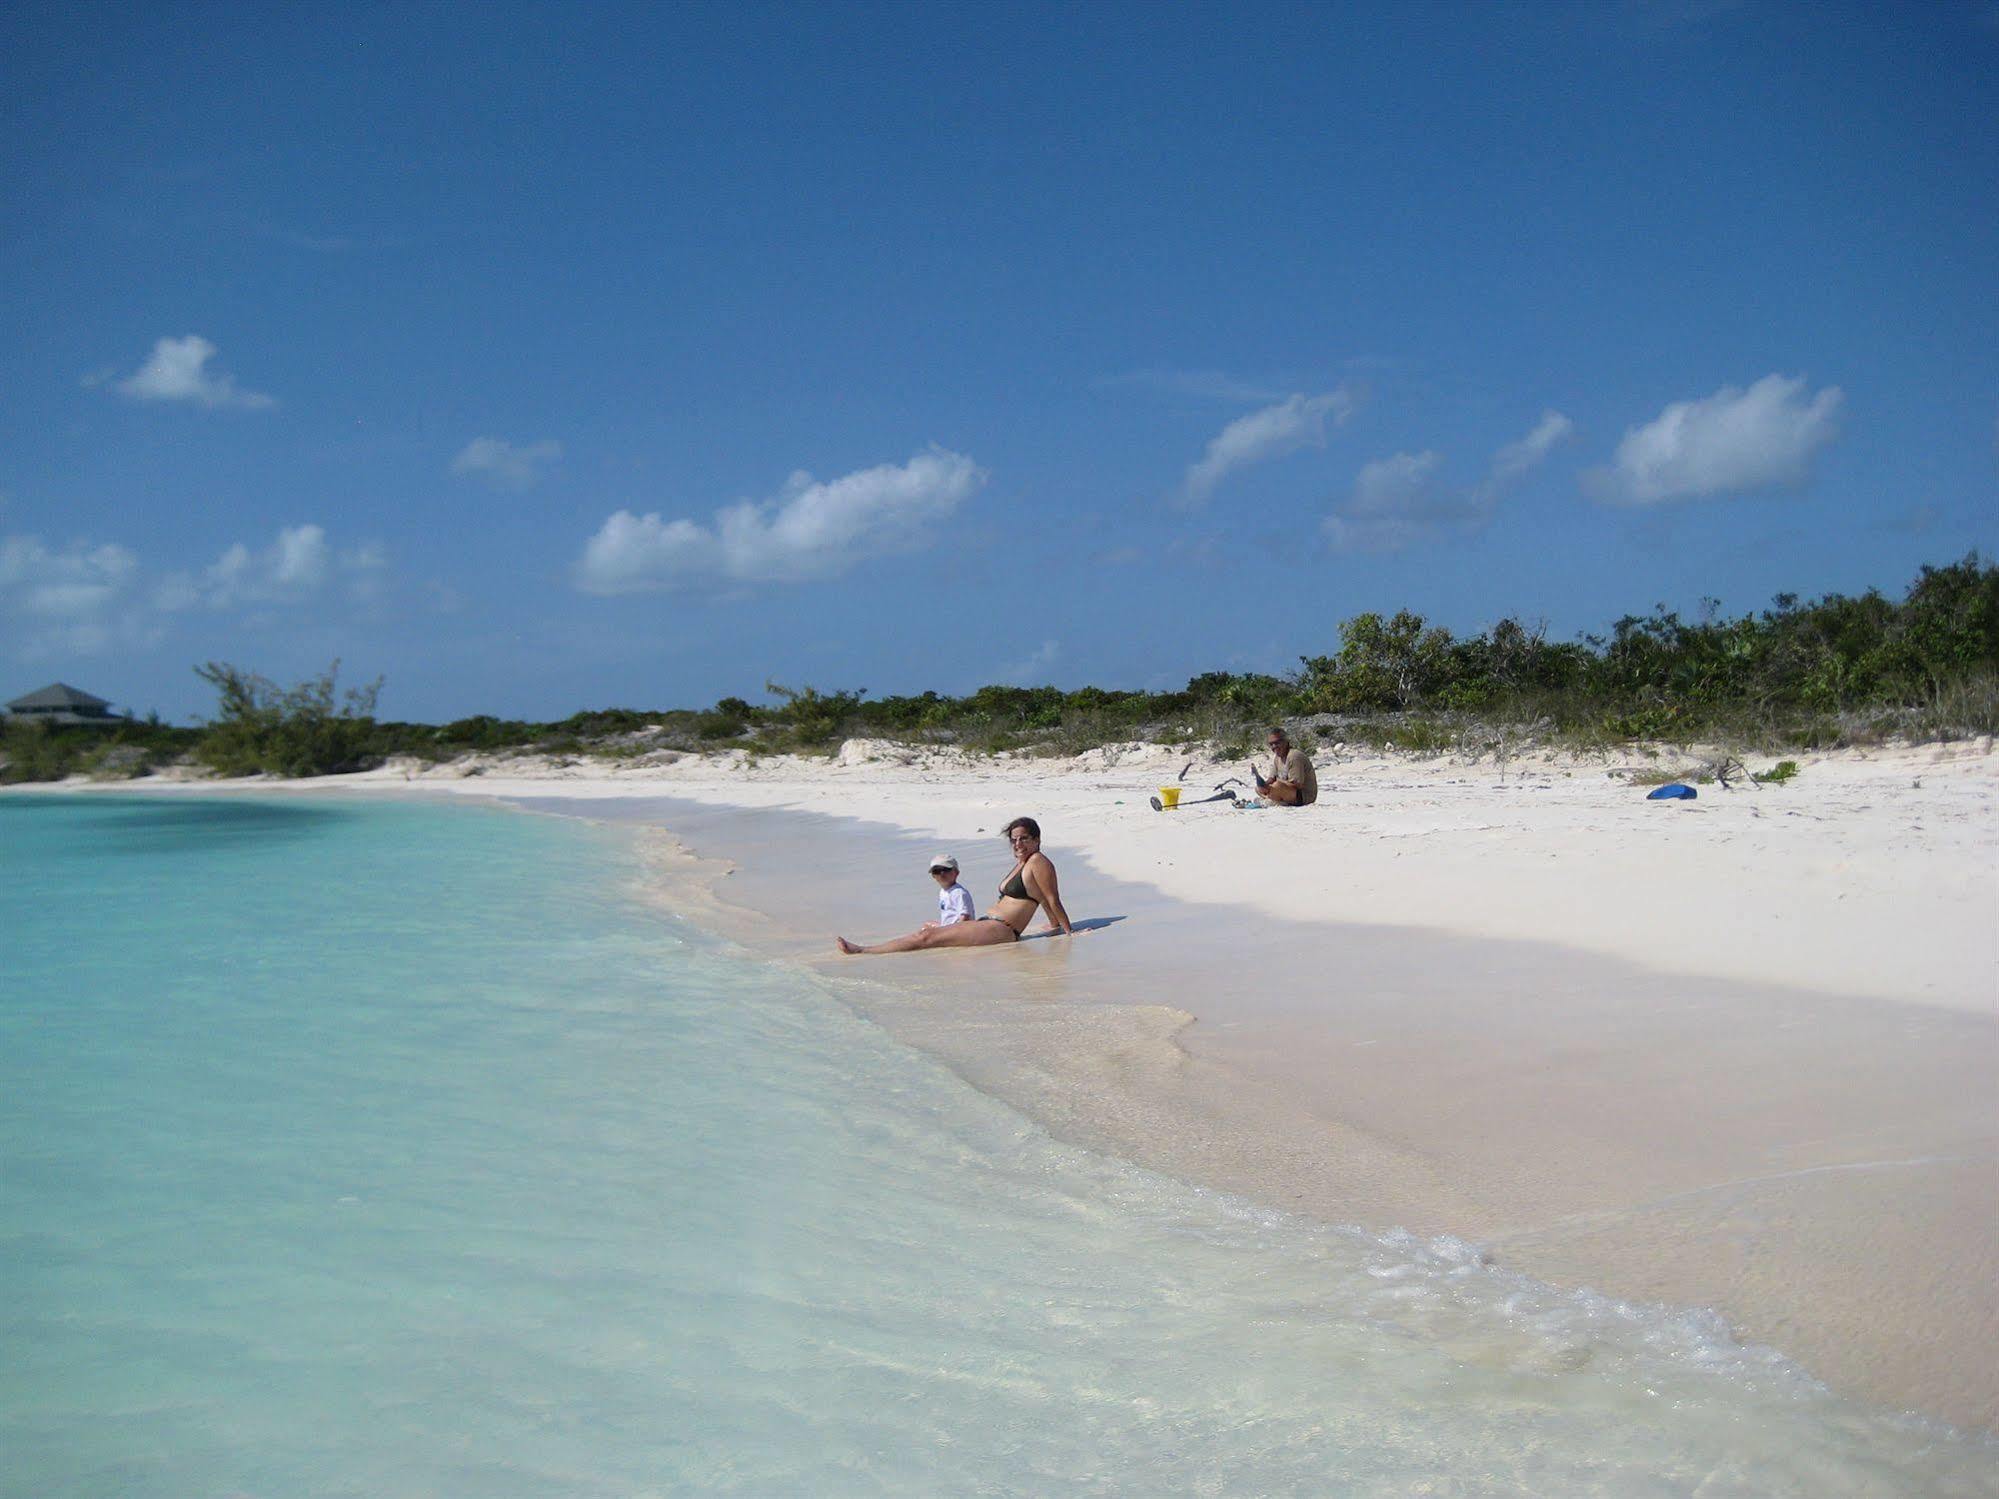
1016, 887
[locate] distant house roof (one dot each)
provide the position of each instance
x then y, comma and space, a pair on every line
56, 697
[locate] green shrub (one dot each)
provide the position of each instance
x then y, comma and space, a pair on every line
304, 730
1798, 675
600, 722
31, 750
1422, 736
485, 733
1656, 777
1392, 663
1655, 722
709, 727
117, 761
806, 717
35, 751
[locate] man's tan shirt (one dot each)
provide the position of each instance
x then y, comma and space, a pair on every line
1296, 769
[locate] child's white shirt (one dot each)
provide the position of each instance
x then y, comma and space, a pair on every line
954, 904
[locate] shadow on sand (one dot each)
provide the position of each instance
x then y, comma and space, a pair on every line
1094, 923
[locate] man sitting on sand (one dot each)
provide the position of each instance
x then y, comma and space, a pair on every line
1291, 782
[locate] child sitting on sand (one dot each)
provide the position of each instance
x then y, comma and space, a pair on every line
954, 901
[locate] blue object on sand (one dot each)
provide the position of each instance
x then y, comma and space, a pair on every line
1673, 793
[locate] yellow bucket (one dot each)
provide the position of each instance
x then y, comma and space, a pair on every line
1169, 796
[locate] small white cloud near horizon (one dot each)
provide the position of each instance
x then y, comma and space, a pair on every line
810, 529
289, 568
178, 371
504, 464
1733, 442
1032, 665
1403, 499
73, 599
86, 598
297, 565
75, 580
1298, 421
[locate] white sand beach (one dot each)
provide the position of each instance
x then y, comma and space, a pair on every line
1876, 874
1736, 1052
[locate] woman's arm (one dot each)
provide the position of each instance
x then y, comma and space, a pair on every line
1041, 882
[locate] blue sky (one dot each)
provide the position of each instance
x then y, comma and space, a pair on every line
538, 358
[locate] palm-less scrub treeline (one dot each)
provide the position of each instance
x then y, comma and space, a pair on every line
1833, 671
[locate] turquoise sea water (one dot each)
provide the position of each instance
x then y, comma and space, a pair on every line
402, 1150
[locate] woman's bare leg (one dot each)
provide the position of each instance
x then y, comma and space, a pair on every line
958, 934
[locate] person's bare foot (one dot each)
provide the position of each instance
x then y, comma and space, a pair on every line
847, 947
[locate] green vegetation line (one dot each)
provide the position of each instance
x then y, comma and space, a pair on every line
1831, 672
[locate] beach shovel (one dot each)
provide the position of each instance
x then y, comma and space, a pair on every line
1168, 799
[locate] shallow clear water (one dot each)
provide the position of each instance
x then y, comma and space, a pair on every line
400, 1150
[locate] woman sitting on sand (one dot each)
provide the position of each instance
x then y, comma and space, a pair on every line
1030, 884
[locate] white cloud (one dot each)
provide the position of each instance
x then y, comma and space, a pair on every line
1296, 422
73, 600
87, 597
1404, 499
1731, 442
1031, 668
1516, 458
77, 580
178, 371
298, 565
502, 463
1397, 485
1395, 501
293, 565
809, 530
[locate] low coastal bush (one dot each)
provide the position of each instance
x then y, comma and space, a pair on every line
35, 752
1834, 671
31, 750
306, 730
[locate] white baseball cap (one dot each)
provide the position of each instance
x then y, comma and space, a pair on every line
944, 861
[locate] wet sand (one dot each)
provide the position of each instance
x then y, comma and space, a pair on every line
1820, 1169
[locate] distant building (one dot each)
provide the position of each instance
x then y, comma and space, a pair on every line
59, 703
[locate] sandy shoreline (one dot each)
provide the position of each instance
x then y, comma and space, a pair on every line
1735, 1054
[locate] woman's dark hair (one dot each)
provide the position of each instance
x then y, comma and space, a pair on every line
1027, 825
